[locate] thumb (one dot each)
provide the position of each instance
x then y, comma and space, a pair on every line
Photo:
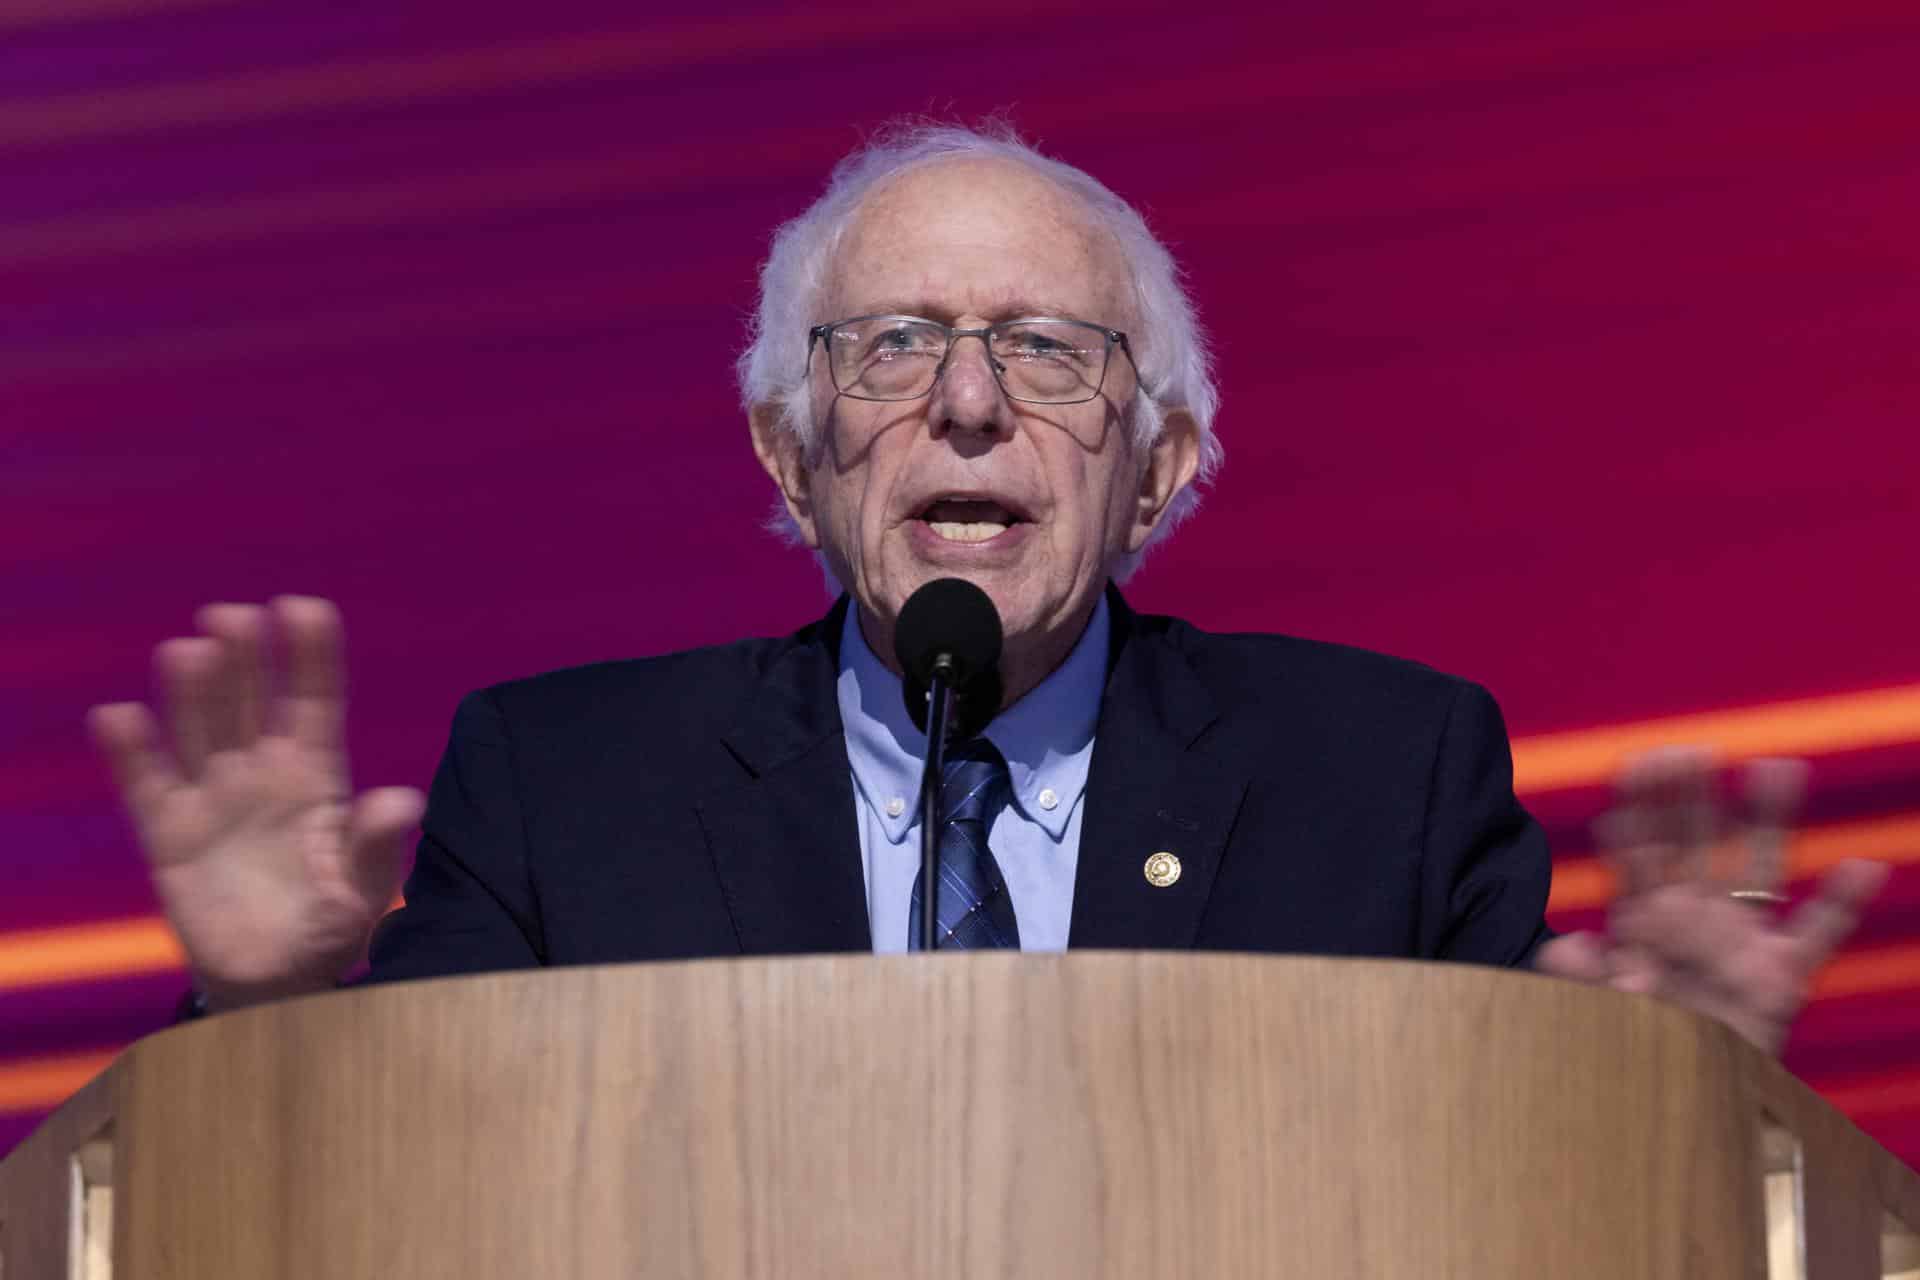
1825, 921
378, 831
1580, 956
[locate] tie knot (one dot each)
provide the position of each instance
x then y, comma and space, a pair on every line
973, 782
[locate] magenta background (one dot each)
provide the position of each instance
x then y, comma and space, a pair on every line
1568, 347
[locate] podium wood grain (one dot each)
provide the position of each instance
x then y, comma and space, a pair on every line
1088, 1115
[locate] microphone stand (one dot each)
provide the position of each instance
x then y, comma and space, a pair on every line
939, 711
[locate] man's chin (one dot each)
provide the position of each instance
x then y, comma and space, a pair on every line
998, 570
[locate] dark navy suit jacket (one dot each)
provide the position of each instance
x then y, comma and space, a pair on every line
1320, 799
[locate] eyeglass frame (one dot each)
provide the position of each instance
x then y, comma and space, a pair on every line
1115, 338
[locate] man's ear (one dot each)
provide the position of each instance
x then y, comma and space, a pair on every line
779, 452
1170, 467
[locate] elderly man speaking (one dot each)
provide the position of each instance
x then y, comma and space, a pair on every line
970, 361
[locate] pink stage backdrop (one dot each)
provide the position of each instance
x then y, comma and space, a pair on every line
1569, 347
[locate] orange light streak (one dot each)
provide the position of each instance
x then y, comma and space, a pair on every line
1870, 971
1584, 881
40, 1084
1802, 727
86, 952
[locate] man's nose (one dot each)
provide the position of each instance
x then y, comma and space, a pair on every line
967, 398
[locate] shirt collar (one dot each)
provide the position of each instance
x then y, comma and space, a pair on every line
1046, 737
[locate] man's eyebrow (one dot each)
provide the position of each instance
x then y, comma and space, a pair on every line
1017, 309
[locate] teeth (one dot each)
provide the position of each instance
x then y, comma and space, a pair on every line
957, 531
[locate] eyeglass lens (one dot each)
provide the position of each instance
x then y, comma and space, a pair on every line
1047, 361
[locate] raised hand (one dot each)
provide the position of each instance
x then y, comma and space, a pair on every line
1695, 919
270, 870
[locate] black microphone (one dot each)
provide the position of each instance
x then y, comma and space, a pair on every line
948, 643
949, 627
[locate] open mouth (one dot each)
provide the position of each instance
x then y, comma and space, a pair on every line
969, 519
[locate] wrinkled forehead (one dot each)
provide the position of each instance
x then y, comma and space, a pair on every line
980, 238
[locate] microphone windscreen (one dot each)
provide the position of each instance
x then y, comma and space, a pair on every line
950, 616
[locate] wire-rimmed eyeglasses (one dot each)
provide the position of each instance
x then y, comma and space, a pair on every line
1041, 360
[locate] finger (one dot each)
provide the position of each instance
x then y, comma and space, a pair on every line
1686, 812
129, 739
1636, 970
1580, 956
1623, 833
379, 829
1822, 924
313, 709
189, 673
242, 631
1774, 789
1660, 829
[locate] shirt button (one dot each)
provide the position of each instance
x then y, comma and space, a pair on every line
896, 807
1048, 799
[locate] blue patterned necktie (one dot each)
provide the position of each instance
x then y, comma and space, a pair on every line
975, 910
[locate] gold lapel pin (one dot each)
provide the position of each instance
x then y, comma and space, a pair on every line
1162, 869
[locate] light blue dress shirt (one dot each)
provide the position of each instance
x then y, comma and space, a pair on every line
1047, 739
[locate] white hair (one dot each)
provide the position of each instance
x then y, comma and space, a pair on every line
1171, 349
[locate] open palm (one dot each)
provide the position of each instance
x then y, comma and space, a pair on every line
270, 870
1705, 935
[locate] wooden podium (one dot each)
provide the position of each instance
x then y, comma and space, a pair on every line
1118, 1114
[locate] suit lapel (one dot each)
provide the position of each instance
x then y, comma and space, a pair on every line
784, 837
1151, 789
